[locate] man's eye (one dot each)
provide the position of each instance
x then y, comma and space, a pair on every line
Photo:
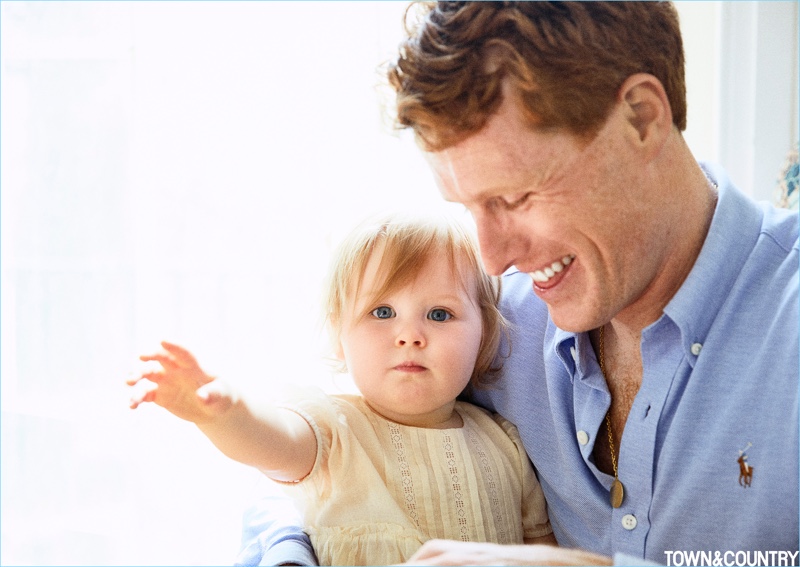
439, 315
383, 312
515, 201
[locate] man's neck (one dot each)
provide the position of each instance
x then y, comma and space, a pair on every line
686, 200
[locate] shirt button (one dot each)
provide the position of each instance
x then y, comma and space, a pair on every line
696, 348
583, 437
629, 521
574, 353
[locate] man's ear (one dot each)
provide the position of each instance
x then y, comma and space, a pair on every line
647, 110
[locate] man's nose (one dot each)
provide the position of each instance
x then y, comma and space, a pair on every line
493, 239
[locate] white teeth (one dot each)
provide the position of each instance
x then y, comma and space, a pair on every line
548, 272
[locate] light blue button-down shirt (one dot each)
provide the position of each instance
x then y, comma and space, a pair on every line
720, 381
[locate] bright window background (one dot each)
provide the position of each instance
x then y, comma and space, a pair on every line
182, 170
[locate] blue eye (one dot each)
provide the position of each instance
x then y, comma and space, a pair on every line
439, 315
383, 312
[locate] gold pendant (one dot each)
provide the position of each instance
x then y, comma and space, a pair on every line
617, 494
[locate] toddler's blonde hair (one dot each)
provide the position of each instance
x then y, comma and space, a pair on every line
407, 243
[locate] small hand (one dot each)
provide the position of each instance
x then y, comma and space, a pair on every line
180, 386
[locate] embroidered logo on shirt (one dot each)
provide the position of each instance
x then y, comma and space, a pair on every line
745, 470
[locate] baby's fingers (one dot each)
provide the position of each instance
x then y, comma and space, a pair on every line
162, 358
133, 379
182, 356
143, 390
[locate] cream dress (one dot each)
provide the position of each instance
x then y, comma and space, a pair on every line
379, 490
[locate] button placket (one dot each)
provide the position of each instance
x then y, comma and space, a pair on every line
662, 354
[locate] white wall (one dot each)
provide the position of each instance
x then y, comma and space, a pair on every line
742, 85
699, 24
170, 170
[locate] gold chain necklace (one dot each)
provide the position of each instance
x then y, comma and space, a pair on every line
617, 491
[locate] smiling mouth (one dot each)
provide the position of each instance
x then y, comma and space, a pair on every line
550, 272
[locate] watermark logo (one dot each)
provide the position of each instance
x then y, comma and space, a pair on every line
731, 558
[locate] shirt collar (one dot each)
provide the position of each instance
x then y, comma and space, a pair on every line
575, 351
730, 240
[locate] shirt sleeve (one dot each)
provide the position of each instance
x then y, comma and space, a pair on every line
273, 535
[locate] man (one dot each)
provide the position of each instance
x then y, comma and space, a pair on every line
653, 367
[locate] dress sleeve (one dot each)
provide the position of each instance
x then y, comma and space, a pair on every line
323, 414
535, 522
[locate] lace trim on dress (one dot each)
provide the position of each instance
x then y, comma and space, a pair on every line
457, 494
491, 485
405, 473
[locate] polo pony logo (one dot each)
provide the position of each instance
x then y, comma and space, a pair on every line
745, 470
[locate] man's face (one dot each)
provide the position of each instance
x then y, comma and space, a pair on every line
574, 215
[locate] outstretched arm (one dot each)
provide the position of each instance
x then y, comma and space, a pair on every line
275, 440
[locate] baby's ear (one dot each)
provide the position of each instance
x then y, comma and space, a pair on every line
339, 351
339, 364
